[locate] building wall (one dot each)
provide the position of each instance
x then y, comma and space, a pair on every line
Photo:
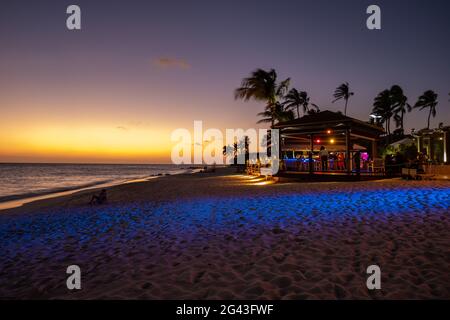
436, 146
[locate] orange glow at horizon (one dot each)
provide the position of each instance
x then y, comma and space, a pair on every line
79, 142
95, 130
85, 144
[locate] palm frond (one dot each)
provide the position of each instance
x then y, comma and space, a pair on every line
342, 92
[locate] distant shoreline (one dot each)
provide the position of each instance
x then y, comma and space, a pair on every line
18, 200
50, 191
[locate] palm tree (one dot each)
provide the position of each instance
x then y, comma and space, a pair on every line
277, 113
343, 92
262, 85
428, 100
230, 150
382, 106
305, 98
295, 99
315, 109
399, 105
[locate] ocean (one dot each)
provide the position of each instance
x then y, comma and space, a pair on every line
19, 181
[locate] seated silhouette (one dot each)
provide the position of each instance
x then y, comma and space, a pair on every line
98, 199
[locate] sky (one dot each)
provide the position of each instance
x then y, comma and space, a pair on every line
114, 91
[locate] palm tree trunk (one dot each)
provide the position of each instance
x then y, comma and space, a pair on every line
388, 124
429, 115
272, 111
345, 111
298, 112
401, 122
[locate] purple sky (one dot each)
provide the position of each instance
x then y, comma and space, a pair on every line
159, 65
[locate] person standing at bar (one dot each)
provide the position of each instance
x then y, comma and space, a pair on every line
341, 161
358, 162
323, 153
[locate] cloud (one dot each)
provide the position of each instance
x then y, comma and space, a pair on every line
122, 128
165, 62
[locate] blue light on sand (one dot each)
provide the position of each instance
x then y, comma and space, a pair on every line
90, 227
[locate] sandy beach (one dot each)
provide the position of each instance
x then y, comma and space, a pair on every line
226, 236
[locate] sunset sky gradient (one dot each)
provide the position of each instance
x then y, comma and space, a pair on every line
114, 91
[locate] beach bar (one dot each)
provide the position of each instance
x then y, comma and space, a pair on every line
329, 143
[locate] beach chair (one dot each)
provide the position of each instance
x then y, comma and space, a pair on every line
429, 174
408, 173
405, 173
413, 174
266, 172
377, 166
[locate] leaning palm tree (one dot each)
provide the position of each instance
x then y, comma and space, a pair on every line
428, 100
399, 105
382, 106
343, 92
295, 99
305, 101
262, 85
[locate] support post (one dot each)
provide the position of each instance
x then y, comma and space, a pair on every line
358, 164
310, 157
445, 147
430, 145
419, 147
348, 161
280, 148
374, 149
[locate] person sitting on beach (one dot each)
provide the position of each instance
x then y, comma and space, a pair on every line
98, 199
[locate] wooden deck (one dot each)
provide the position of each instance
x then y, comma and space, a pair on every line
329, 176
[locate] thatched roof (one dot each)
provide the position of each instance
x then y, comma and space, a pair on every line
329, 120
